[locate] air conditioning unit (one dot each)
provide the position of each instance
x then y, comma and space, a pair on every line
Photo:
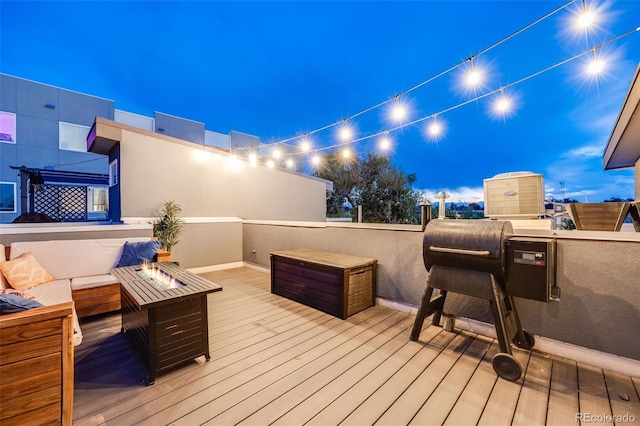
515, 195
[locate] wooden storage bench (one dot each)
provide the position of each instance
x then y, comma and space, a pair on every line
337, 284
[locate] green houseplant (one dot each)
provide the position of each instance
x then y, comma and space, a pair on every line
168, 226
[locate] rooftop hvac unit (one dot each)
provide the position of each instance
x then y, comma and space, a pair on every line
515, 195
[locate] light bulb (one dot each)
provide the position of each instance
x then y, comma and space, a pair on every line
315, 160
474, 77
276, 153
305, 145
503, 104
290, 163
596, 66
385, 143
345, 133
435, 128
253, 159
271, 164
399, 112
586, 19
346, 153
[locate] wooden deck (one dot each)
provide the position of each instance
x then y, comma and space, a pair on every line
274, 361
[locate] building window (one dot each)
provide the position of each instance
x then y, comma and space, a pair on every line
97, 203
98, 199
113, 173
73, 137
7, 197
7, 127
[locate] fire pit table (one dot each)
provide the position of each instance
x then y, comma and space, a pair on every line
164, 313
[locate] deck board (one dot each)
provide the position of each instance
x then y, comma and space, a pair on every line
534, 396
277, 361
414, 396
237, 406
594, 398
342, 405
563, 395
623, 397
437, 408
471, 403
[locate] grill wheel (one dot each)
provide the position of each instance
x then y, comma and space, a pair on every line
507, 367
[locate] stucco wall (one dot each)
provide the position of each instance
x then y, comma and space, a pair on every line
207, 184
210, 243
599, 307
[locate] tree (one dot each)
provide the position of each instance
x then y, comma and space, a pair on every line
384, 191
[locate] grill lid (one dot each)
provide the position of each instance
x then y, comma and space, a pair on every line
478, 245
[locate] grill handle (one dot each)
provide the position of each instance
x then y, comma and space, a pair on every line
483, 253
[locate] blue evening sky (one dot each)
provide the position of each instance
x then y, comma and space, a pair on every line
280, 69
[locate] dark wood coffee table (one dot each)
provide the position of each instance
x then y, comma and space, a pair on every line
168, 326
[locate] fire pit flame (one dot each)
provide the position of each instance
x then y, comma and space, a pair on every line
155, 274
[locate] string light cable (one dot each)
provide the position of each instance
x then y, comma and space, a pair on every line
422, 83
487, 94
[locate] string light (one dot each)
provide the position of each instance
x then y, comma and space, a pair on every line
385, 143
474, 77
276, 154
502, 104
253, 159
345, 132
435, 129
290, 163
586, 19
398, 111
442, 73
596, 66
271, 164
305, 145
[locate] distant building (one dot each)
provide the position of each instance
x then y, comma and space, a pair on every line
44, 163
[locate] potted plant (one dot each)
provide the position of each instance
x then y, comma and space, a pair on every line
167, 226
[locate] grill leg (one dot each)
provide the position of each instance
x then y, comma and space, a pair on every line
521, 340
428, 307
499, 311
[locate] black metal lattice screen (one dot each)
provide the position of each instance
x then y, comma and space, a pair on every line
63, 203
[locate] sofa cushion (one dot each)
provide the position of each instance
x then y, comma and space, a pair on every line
137, 253
12, 303
24, 272
75, 258
53, 293
92, 281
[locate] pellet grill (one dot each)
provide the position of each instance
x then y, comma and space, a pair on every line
481, 258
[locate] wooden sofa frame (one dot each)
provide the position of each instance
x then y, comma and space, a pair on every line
36, 373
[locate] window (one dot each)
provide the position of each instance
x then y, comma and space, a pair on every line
73, 137
113, 173
7, 127
7, 197
98, 199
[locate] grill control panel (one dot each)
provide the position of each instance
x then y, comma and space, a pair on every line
531, 269
530, 257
